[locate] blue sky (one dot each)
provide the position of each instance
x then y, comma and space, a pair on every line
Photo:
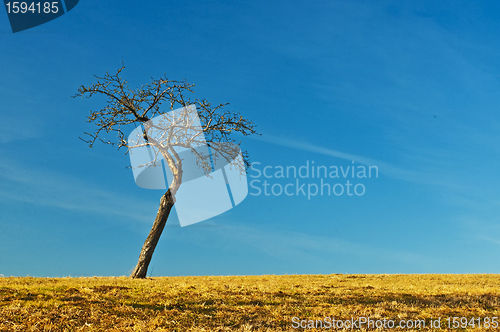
411, 88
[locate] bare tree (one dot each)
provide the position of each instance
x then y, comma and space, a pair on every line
140, 107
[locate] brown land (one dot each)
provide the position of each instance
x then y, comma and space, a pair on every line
251, 303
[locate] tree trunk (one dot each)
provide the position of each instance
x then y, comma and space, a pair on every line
166, 203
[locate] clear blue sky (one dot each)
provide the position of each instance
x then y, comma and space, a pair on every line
411, 88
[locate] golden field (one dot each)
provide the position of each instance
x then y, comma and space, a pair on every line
243, 303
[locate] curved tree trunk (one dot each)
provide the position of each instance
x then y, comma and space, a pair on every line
166, 203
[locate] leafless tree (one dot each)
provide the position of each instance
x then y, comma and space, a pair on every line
125, 107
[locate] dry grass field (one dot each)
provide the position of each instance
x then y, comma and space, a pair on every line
252, 303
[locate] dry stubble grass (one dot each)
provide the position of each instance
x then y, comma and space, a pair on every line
252, 303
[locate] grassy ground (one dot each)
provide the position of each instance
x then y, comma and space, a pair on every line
255, 303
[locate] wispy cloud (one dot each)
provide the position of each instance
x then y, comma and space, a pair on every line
384, 168
308, 247
15, 130
44, 187
440, 173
